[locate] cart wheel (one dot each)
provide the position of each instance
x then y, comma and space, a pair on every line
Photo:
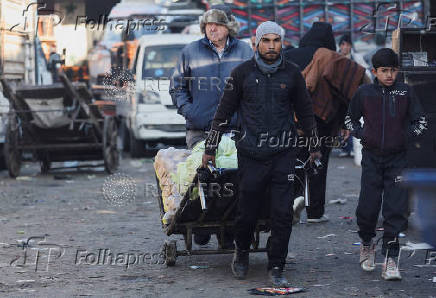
11, 152
110, 149
170, 249
45, 167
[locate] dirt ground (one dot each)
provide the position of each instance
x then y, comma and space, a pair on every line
60, 237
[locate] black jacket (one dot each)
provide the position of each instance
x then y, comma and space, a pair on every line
390, 115
265, 105
319, 36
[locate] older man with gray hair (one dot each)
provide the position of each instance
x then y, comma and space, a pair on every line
201, 75
204, 68
266, 92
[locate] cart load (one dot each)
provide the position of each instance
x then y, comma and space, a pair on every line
177, 168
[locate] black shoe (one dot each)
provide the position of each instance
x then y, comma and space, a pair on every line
240, 264
202, 239
277, 278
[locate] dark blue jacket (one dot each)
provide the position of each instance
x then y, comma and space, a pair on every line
390, 114
199, 79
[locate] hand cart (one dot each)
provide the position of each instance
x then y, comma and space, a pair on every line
56, 123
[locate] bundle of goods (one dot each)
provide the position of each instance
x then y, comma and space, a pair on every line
176, 169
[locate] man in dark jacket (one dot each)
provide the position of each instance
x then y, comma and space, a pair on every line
319, 36
265, 92
203, 69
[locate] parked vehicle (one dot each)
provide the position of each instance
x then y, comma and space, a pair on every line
150, 115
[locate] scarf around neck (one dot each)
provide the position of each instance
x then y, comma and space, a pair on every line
265, 67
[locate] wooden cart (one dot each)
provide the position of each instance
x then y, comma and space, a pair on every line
58, 123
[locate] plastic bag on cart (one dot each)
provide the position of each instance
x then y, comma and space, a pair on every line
176, 169
226, 157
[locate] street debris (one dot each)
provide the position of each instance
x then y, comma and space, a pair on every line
434, 278
351, 195
338, 201
348, 253
416, 246
24, 178
20, 232
320, 285
199, 267
356, 243
330, 255
380, 229
25, 280
326, 236
136, 163
345, 217
63, 177
106, 212
274, 291
90, 177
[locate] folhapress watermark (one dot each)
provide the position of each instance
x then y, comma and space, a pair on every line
104, 22
107, 257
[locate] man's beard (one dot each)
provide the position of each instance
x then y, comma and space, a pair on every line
268, 59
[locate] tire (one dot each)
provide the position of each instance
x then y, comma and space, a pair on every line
137, 147
11, 152
3, 165
110, 149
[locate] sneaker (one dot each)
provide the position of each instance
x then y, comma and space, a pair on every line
240, 264
367, 257
298, 207
390, 270
323, 218
277, 278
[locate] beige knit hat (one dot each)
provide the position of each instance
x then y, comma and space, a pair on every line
220, 14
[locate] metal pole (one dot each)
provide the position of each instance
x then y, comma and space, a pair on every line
326, 11
301, 19
351, 20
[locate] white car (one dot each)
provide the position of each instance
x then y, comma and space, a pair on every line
152, 117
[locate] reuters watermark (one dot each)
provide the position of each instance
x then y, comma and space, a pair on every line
212, 189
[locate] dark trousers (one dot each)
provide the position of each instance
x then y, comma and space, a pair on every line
318, 183
255, 177
380, 189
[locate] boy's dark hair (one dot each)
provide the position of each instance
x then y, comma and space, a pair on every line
384, 57
345, 38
